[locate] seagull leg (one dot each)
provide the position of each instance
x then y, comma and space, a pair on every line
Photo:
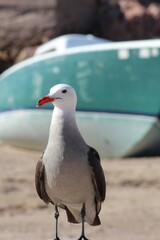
56, 215
83, 213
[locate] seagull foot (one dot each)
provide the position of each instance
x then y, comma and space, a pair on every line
83, 238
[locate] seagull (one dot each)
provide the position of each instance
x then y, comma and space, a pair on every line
69, 174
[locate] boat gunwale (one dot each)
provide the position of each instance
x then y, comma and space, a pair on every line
94, 112
123, 45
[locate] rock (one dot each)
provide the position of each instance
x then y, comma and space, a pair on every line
142, 19
27, 24
30, 23
4, 61
72, 16
111, 22
128, 19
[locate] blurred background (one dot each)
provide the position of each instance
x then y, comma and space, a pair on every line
132, 208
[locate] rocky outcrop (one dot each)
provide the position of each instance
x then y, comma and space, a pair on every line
24, 24
142, 19
111, 23
27, 24
129, 19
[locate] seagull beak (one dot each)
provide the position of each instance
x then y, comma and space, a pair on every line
45, 100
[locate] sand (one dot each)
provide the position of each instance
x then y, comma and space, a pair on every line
130, 212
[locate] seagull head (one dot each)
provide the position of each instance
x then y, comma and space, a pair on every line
61, 95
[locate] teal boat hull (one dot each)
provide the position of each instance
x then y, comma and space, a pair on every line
118, 97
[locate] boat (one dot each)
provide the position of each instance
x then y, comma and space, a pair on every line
117, 85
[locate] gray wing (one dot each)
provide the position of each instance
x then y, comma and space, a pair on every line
98, 177
40, 182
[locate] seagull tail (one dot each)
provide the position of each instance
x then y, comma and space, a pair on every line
96, 221
70, 216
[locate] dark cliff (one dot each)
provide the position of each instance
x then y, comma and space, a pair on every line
26, 24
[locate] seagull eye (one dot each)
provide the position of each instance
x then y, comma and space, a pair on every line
64, 91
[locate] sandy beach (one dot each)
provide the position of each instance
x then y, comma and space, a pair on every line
130, 212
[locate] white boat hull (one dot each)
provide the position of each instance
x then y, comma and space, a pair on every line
113, 135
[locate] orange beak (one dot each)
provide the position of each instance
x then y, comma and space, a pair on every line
45, 100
